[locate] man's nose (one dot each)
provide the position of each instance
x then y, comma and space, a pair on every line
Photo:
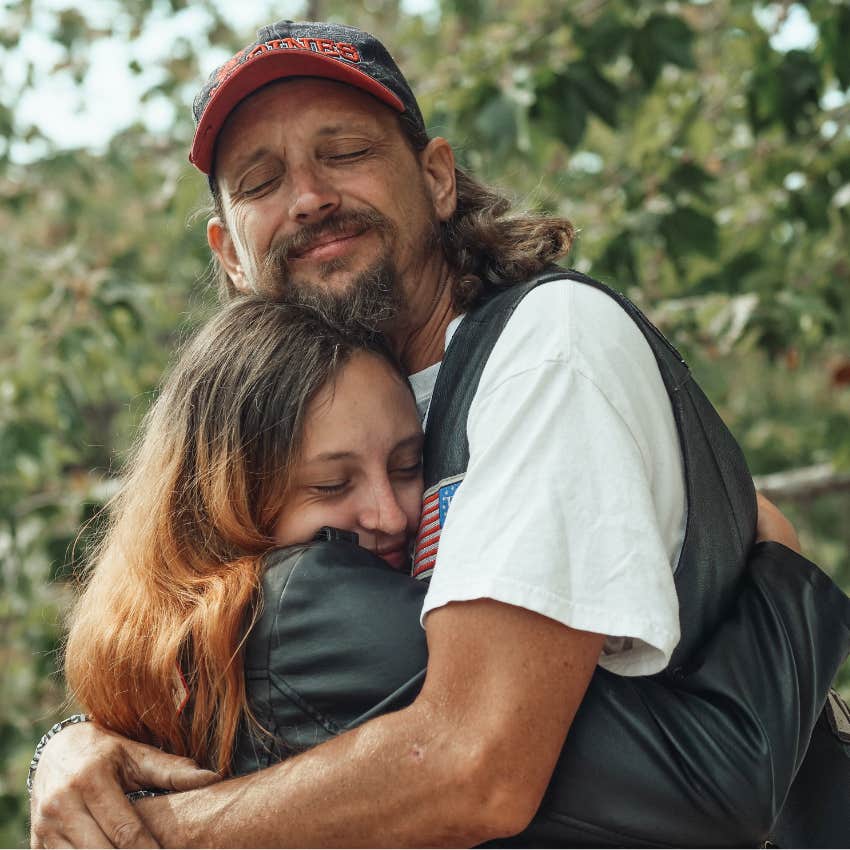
313, 196
382, 513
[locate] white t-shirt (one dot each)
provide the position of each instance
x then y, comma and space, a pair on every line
573, 504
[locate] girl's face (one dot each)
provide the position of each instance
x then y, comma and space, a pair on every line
361, 465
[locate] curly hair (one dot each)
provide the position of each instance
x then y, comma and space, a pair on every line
486, 245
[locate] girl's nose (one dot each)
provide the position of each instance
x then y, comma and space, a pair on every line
382, 513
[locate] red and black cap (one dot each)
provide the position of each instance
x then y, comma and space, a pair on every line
307, 49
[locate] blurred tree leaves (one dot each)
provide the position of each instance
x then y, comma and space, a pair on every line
707, 169
660, 40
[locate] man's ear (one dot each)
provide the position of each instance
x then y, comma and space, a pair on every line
438, 166
221, 244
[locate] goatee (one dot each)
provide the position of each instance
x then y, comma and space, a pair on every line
370, 301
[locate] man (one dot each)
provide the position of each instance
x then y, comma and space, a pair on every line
561, 544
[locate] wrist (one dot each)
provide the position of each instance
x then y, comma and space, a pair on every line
179, 820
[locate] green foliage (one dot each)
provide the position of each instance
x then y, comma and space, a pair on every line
708, 171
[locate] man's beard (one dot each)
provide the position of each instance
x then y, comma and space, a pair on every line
371, 300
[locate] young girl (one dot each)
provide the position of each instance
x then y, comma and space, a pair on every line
273, 424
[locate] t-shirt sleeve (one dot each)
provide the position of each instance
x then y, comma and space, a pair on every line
556, 512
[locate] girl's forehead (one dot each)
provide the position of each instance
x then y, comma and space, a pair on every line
367, 405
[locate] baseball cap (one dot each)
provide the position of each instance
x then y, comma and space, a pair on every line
302, 49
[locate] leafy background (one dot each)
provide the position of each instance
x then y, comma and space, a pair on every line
706, 162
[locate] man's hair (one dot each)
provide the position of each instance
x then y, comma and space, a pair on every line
174, 581
486, 246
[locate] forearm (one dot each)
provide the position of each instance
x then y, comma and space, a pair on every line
374, 786
468, 761
383, 784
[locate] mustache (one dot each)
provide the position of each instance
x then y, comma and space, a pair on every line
276, 264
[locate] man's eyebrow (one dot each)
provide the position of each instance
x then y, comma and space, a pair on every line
345, 127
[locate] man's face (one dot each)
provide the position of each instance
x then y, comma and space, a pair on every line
322, 195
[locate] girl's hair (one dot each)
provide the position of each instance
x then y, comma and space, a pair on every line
174, 580
486, 246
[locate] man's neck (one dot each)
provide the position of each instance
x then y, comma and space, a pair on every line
421, 343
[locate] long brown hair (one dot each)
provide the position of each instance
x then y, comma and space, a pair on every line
173, 582
486, 244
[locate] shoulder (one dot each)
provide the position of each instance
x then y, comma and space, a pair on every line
571, 322
567, 296
572, 357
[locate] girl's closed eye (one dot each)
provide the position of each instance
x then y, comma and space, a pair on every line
409, 470
331, 488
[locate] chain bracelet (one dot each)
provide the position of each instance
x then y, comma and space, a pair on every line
51, 733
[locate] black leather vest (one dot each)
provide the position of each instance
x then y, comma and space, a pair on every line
721, 499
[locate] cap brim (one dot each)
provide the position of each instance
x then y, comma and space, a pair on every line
266, 68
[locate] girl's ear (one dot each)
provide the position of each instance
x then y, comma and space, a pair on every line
438, 165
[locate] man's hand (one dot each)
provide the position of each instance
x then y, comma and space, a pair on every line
78, 791
774, 525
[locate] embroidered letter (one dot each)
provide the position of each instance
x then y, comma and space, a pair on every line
348, 51
326, 46
295, 44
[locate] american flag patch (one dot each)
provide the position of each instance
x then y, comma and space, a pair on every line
435, 507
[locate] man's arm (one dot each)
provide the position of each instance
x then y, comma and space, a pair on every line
707, 758
468, 761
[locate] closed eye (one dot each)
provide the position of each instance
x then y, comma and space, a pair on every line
329, 489
339, 157
410, 471
259, 189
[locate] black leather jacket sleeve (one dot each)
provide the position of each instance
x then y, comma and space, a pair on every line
704, 757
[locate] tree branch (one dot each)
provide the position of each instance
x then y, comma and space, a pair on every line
804, 483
